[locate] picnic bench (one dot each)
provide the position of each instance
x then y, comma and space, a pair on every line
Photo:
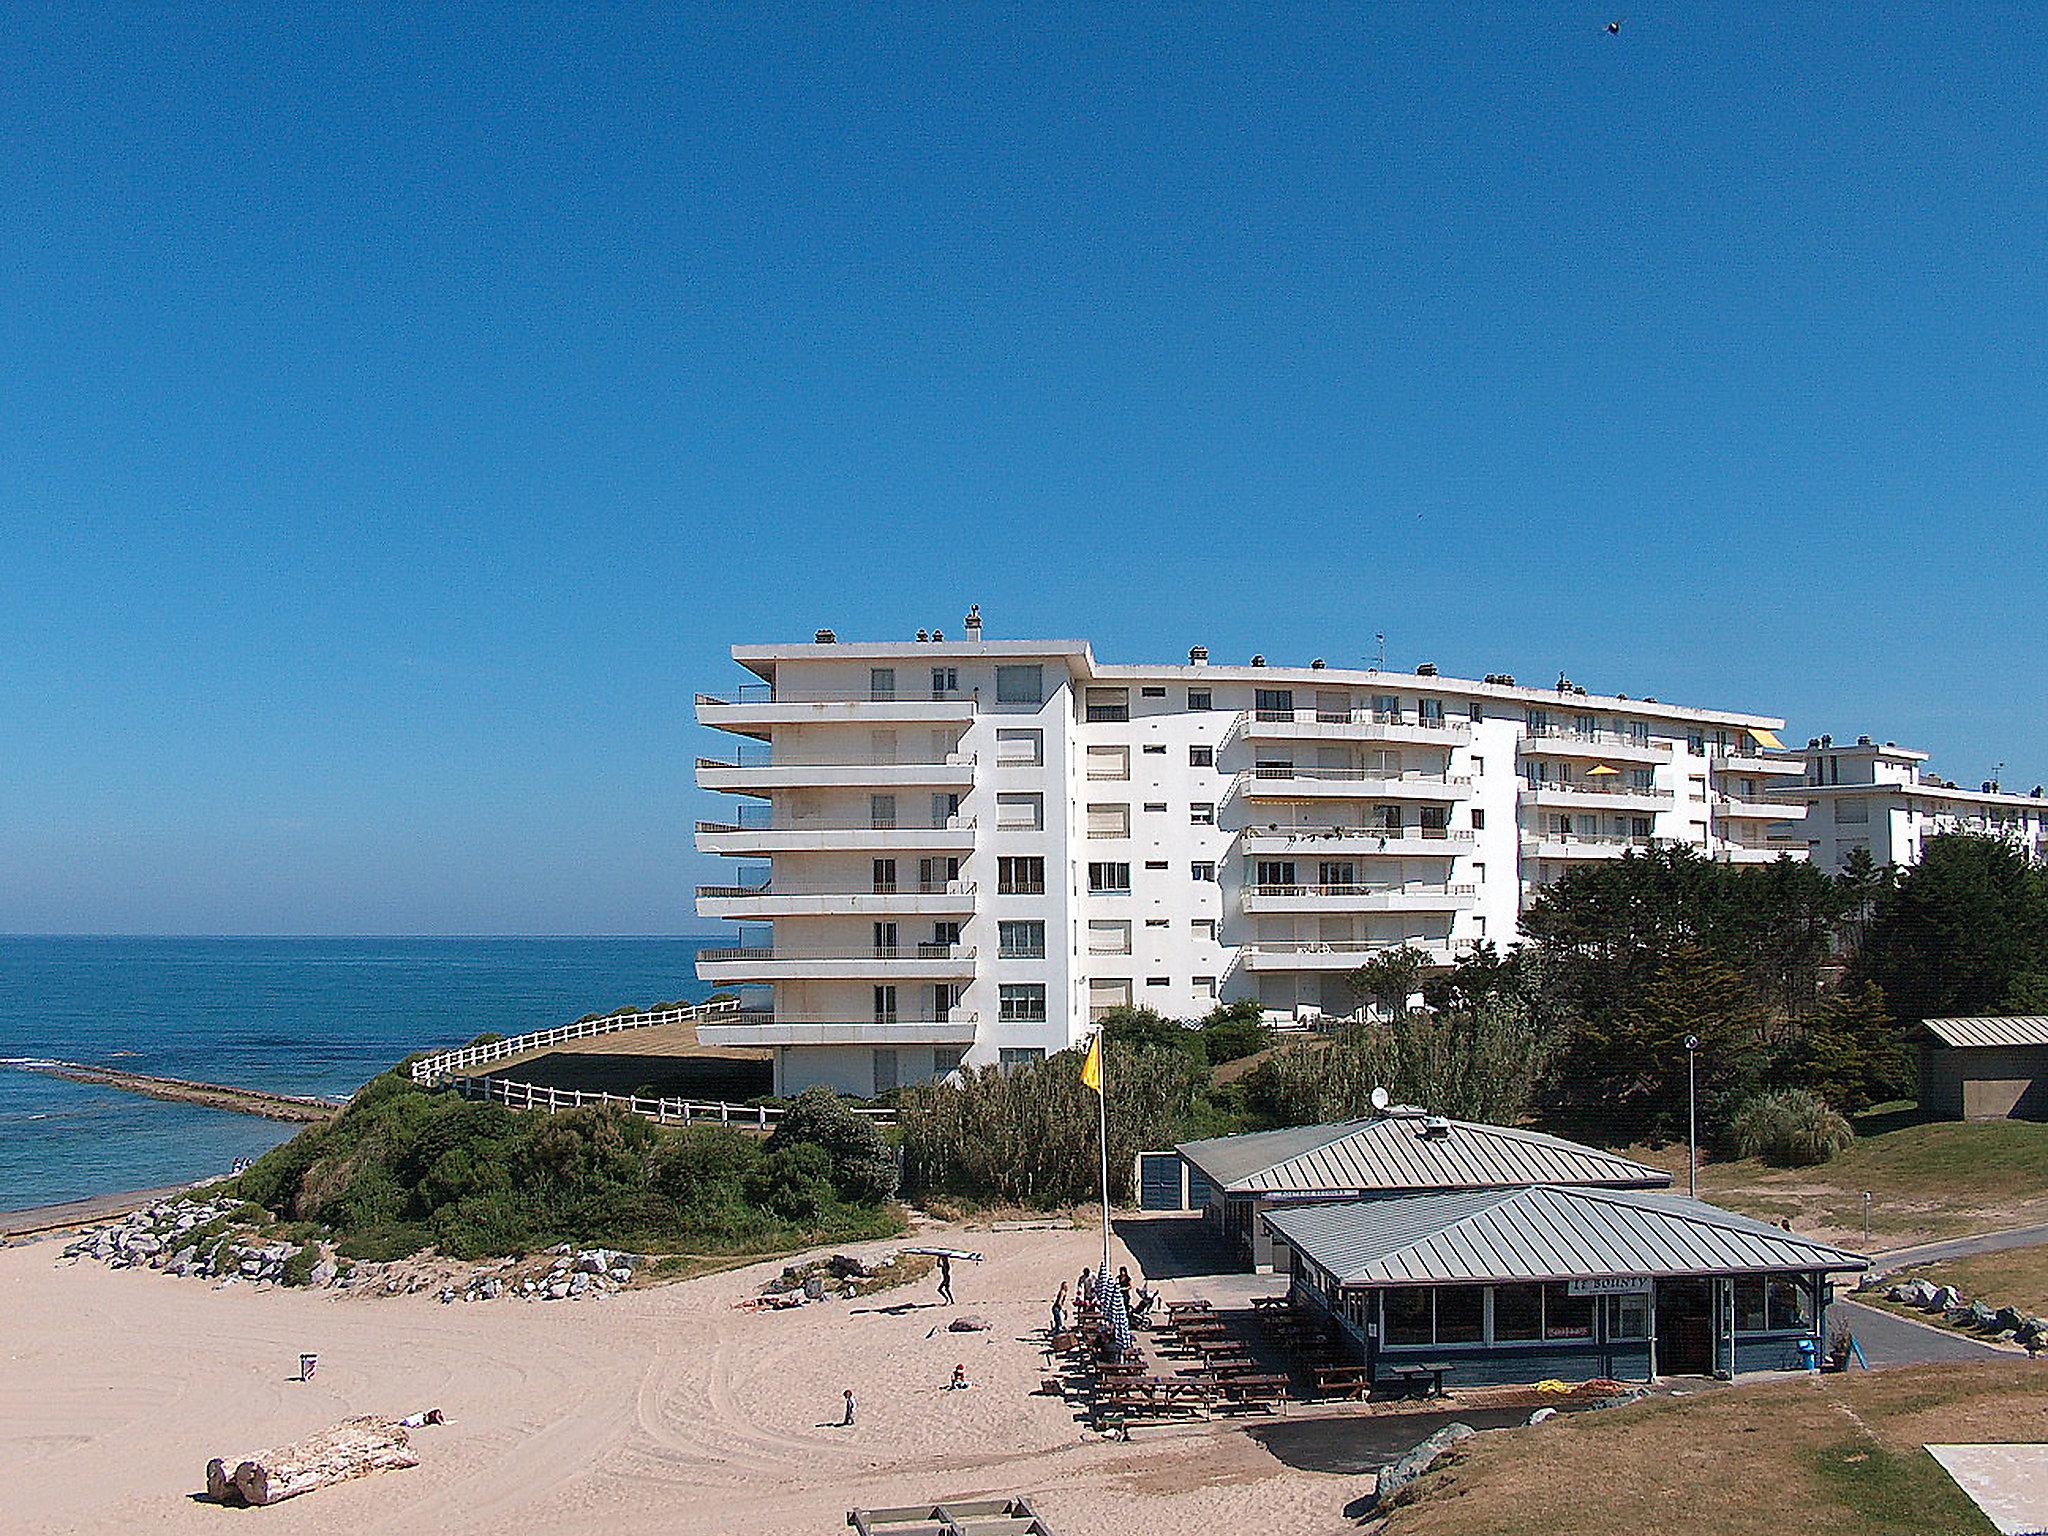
1350, 1380
1273, 1303
1422, 1379
1223, 1349
1262, 1390
1176, 1308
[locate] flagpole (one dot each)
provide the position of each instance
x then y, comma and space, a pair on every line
1102, 1106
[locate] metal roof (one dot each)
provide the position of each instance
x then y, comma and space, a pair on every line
1390, 1153
1543, 1232
2025, 1029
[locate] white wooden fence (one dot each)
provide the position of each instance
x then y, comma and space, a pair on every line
665, 1111
430, 1069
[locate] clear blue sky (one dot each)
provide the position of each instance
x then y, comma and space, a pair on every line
399, 417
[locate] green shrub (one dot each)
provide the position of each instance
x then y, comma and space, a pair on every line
858, 1158
1792, 1129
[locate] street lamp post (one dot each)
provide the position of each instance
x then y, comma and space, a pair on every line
1692, 1118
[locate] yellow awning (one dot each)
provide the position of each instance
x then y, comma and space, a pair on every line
1767, 739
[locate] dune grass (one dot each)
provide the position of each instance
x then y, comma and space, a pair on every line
1833, 1456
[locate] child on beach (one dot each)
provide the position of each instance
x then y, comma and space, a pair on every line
959, 1381
847, 1421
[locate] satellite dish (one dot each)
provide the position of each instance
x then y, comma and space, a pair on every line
1380, 1100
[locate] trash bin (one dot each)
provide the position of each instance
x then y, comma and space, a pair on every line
1809, 1355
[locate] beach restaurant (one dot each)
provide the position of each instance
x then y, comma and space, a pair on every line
1554, 1281
1401, 1152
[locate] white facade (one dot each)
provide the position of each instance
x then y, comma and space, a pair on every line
958, 850
1882, 800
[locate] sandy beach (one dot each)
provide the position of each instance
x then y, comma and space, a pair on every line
659, 1410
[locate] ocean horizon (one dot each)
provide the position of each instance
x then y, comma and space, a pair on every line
311, 1015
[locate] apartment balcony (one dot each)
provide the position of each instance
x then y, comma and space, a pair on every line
1409, 842
1364, 725
1764, 853
780, 899
1593, 794
1415, 896
1595, 746
906, 962
1574, 845
1332, 954
756, 709
1734, 808
745, 776
1734, 760
759, 1027
1308, 783
751, 835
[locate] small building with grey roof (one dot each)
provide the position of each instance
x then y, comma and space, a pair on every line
1399, 1153
1559, 1281
1984, 1068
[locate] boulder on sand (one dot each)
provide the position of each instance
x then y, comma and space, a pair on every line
1411, 1464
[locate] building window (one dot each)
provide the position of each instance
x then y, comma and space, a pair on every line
1205, 986
1109, 936
1158, 981
946, 1059
1106, 879
1628, 1317
1856, 812
881, 684
885, 1005
1198, 698
1478, 819
1020, 685
1021, 1003
1156, 748
1202, 813
945, 682
1158, 922
1020, 749
1201, 757
885, 1070
1460, 1314
885, 877
1109, 762
1106, 994
881, 811
1020, 813
1155, 807
1107, 820
1203, 869
1020, 876
1152, 693
1020, 940
1566, 1316
1107, 706
1019, 1055
1475, 711
1517, 1313
1790, 1305
1204, 928
1405, 1316
1430, 711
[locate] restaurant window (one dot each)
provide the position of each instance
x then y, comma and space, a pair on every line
1020, 685
1517, 1313
1460, 1314
1749, 1306
1566, 1316
1404, 1313
1790, 1304
1628, 1317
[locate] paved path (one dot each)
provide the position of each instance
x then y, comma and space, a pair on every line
1960, 1247
1889, 1339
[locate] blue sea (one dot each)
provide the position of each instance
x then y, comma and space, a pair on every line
317, 1016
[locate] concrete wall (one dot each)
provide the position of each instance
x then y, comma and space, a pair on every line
1984, 1082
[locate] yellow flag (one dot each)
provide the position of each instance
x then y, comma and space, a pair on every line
1091, 1069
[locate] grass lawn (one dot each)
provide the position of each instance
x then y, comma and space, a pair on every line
2016, 1277
1926, 1181
1827, 1456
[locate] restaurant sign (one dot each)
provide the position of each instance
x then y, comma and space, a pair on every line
1608, 1285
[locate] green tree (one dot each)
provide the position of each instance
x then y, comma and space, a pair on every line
1389, 979
1849, 1052
863, 1169
1960, 932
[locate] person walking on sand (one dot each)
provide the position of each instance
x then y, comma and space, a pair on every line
847, 1421
945, 1280
1059, 1311
1123, 1283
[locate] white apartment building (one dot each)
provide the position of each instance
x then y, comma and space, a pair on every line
1881, 799
964, 851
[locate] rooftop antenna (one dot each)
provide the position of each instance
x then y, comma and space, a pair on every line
1380, 1100
1379, 660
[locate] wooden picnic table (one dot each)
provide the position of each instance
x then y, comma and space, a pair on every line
1273, 1303
1225, 1349
1218, 1370
1350, 1380
1261, 1391
1175, 1308
1412, 1377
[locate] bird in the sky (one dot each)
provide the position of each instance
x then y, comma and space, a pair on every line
1614, 29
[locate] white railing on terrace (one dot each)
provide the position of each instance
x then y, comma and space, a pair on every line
1432, 947
1592, 839
770, 760
763, 1017
1308, 834
665, 1111
1568, 736
1593, 791
769, 953
768, 693
1353, 775
446, 1063
766, 823
1358, 717
787, 888
1411, 888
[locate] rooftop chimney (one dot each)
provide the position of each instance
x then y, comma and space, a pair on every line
1862, 741
1198, 655
1316, 665
825, 637
1425, 669
974, 621
1258, 661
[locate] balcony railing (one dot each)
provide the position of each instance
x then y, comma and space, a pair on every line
768, 693
1411, 888
1451, 732
1594, 791
766, 823
789, 888
764, 1016
776, 954
1279, 773
766, 759
1567, 735
1592, 839
1316, 833
1435, 948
